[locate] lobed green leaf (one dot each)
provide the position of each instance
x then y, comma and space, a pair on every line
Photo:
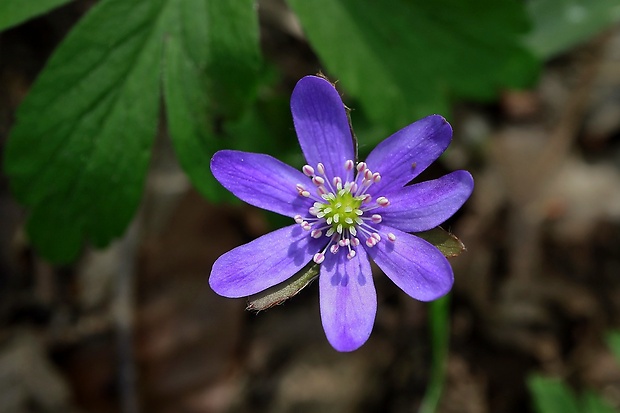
14, 12
406, 59
79, 152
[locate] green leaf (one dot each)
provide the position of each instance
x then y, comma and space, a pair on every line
447, 243
552, 395
562, 24
613, 341
14, 12
593, 403
228, 53
405, 59
79, 152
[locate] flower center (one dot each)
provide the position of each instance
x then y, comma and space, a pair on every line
341, 210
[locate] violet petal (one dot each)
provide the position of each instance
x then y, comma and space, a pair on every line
264, 262
348, 299
408, 152
424, 206
414, 265
262, 181
322, 125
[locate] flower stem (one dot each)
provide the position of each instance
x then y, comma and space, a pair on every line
440, 337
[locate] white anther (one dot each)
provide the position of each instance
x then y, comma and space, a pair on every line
367, 199
354, 241
351, 254
308, 170
344, 242
298, 219
320, 169
318, 181
376, 177
371, 242
319, 257
321, 190
383, 201
305, 225
348, 165
368, 174
376, 218
361, 167
353, 188
313, 211
316, 233
333, 249
391, 237
376, 236
305, 194
337, 181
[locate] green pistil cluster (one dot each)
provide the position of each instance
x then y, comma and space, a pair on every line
342, 211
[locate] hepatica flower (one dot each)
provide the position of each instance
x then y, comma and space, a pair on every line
343, 213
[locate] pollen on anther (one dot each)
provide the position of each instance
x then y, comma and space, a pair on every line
348, 165
308, 170
383, 201
361, 167
391, 237
318, 181
376, 218
318, 257
320, 169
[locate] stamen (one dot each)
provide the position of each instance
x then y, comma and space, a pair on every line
337, 182
361, 167
348, 165
351, 254
333, 249
376, 177
319, 257
316, 233
308, 170
298, 219
318, 181
391, 237
376, 219
320, 169
383, 201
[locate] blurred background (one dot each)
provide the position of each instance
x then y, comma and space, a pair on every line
133, 326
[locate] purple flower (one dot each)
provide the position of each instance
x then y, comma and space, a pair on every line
344, 213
